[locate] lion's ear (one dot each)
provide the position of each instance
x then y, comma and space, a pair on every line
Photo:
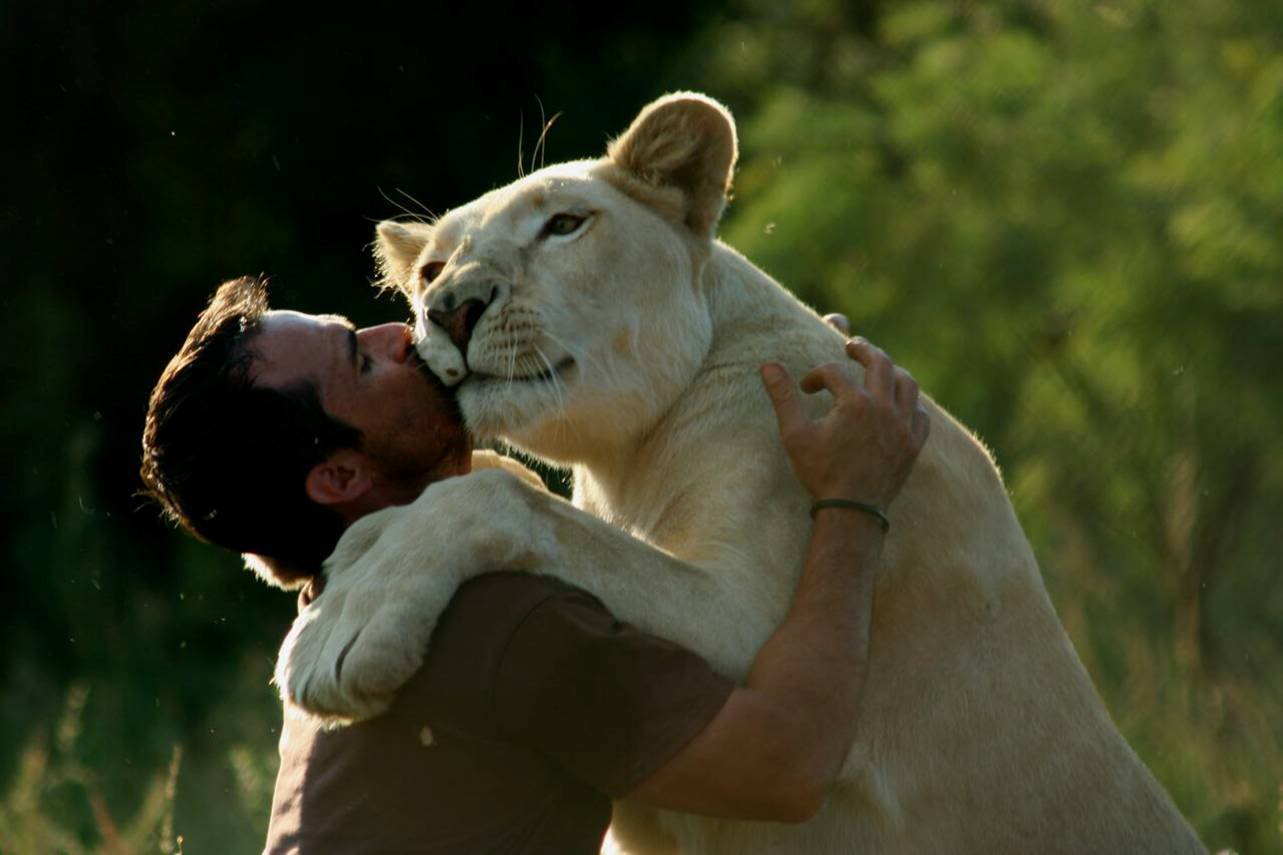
397, 247
684, 141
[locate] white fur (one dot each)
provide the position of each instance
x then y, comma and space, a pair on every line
980, 730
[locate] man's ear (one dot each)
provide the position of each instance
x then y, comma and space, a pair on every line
343, 477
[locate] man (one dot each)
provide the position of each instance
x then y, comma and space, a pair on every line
271, 431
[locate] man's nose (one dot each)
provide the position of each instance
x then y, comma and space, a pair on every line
392, 341
458, 321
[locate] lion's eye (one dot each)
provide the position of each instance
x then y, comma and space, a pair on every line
562, 224
431, 271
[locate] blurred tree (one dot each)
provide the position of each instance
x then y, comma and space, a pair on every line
1067, 220
154, 151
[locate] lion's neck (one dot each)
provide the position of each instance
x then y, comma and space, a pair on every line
650, 481
755, 319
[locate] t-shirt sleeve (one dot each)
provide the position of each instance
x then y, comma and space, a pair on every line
608, 702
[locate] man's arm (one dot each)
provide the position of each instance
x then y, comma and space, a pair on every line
774, 749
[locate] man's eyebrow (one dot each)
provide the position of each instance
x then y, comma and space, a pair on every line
338, 319
349, 335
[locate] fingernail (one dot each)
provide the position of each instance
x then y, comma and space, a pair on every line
772, 373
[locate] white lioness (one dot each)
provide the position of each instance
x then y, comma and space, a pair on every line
615, 334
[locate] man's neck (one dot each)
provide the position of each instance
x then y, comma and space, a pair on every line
387, 492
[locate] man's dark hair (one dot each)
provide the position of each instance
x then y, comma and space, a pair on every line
228, 460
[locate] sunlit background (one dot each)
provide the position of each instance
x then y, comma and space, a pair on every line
1065, 218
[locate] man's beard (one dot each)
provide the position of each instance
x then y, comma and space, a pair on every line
421, 460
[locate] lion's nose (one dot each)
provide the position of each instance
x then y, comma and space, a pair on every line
459, 321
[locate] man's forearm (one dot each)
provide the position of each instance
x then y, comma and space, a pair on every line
776, 746
815, 663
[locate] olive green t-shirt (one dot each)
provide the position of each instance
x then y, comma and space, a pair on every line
534, 707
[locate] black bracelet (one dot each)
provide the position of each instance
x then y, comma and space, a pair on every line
854, 505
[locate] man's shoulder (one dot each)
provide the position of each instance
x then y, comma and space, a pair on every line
512, 592
487, 611
488, 617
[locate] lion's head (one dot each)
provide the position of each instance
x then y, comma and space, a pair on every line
569, 306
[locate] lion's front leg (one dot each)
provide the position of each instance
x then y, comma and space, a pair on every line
395, 571
390, 577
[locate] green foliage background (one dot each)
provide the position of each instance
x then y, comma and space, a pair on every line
1065, 219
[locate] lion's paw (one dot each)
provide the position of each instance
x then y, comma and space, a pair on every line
391, 575
362, 639
349, 652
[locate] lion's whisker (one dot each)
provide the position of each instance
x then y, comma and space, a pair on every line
521, 145
432, 217
413, 215
556, 382
541, 148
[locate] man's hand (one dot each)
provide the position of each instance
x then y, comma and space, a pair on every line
839, 322
864, 447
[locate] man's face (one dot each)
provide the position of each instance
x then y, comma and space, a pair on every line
372, 379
